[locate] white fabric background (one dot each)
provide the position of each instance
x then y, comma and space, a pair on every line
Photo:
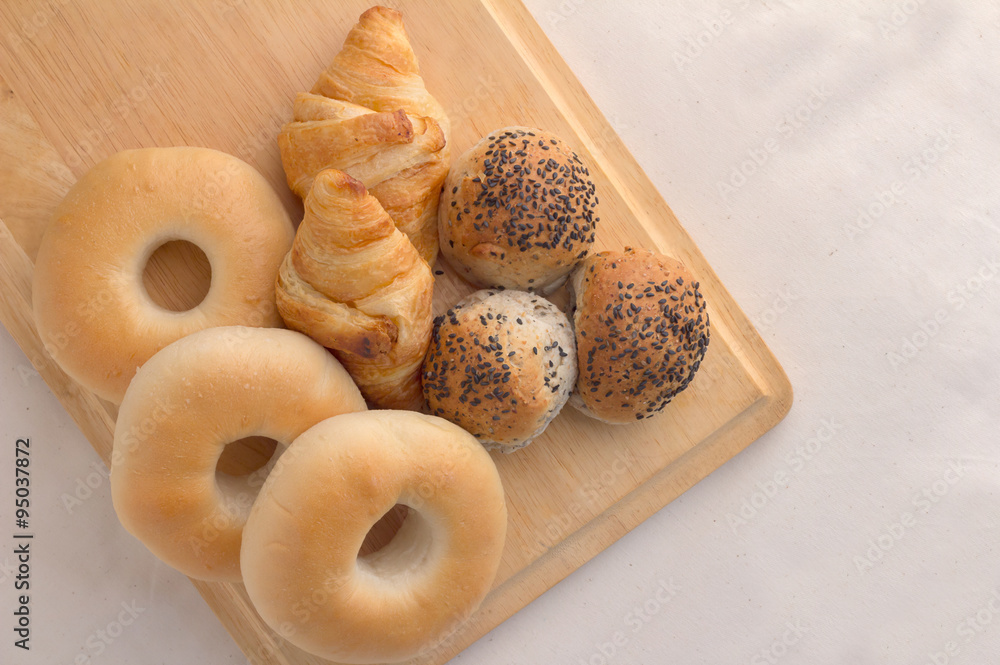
864, 528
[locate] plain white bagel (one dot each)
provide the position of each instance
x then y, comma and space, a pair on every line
91, 308
185, 404
301, 542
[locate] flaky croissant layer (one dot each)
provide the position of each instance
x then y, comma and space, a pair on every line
354, 282
370, 115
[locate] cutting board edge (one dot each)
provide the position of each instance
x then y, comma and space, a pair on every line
645, 500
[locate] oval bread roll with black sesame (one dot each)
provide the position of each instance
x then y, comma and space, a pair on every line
518, 211
641, 333
502, 364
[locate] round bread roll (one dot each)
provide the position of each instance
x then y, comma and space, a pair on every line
641, 332
501, 364
300, 558
94, 314
185, 404
518, 211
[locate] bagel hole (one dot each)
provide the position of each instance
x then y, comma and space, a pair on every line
244, 456
402, 554
383, 531
177, 276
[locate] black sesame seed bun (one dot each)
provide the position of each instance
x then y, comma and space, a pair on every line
641, 333
501, 365
518, 211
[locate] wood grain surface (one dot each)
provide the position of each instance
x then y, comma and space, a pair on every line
80, 81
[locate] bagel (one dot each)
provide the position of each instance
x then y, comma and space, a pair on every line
93, 314
185, 404
300, 556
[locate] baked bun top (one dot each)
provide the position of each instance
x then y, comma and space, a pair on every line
641, 332
518, 211
501, 365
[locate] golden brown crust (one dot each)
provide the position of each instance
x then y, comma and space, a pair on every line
314, 145
642, 330
518, 211
501, 365
377, 69
354, 283
89, 301
185, 404
300, 554
370, 115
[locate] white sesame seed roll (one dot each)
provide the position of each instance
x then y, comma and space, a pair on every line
501, 365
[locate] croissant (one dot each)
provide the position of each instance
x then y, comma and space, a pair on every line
354, 283
370, 115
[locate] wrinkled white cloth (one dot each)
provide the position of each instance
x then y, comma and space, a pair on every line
838, 164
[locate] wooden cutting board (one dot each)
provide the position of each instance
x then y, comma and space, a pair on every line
81, 80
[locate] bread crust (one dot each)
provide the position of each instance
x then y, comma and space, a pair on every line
369, 114
518, 211
354, 283
501, 365
642, 330
185, 404
91, 308
300, 550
